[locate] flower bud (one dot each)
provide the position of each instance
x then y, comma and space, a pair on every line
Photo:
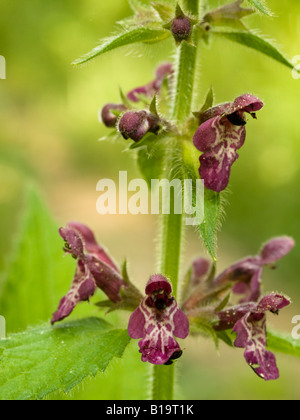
136, 124
181, 28
110, 118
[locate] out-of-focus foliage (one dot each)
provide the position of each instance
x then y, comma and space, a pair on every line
50, 132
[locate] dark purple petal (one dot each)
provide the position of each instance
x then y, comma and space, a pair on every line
230, 316
215, 167
276, 249
73, 242
215, 111
201, 267
247, 277
247, 103
82, 288
106, 278
91, 244
108, 117
273, 303
206, 136
159, 349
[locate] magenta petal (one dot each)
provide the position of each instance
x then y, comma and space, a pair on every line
158, 350
181, 324
252, 336
273, 302
276, 249
73, 241
106, 278
91, 244
82, 288
136, 325
200, 269
164, 70
158, 282
215, 167
230, 316
206, 136
147, 90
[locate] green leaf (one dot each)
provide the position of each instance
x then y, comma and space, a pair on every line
213, 211
43, 360
257, 43
209, 101
37, 275
151, 160
166, 12
213, 203
227, 337
191, 6
283, 343
261, 7
137, 34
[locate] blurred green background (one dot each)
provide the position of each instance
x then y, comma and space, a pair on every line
50, 134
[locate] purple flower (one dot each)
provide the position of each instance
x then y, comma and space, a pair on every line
157, 320
249, 322
220, 134
246, 274
152, 88
136, 124
94, 269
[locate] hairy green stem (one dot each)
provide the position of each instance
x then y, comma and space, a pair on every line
172, 224
184, 82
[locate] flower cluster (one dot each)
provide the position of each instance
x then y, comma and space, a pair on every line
133, 123
94, 269
157, 318
248, 318
221, 131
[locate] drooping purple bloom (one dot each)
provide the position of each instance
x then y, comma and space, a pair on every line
153, 87
94, 269
220, 134
157, 320
246, 274
248, 320
109, 114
